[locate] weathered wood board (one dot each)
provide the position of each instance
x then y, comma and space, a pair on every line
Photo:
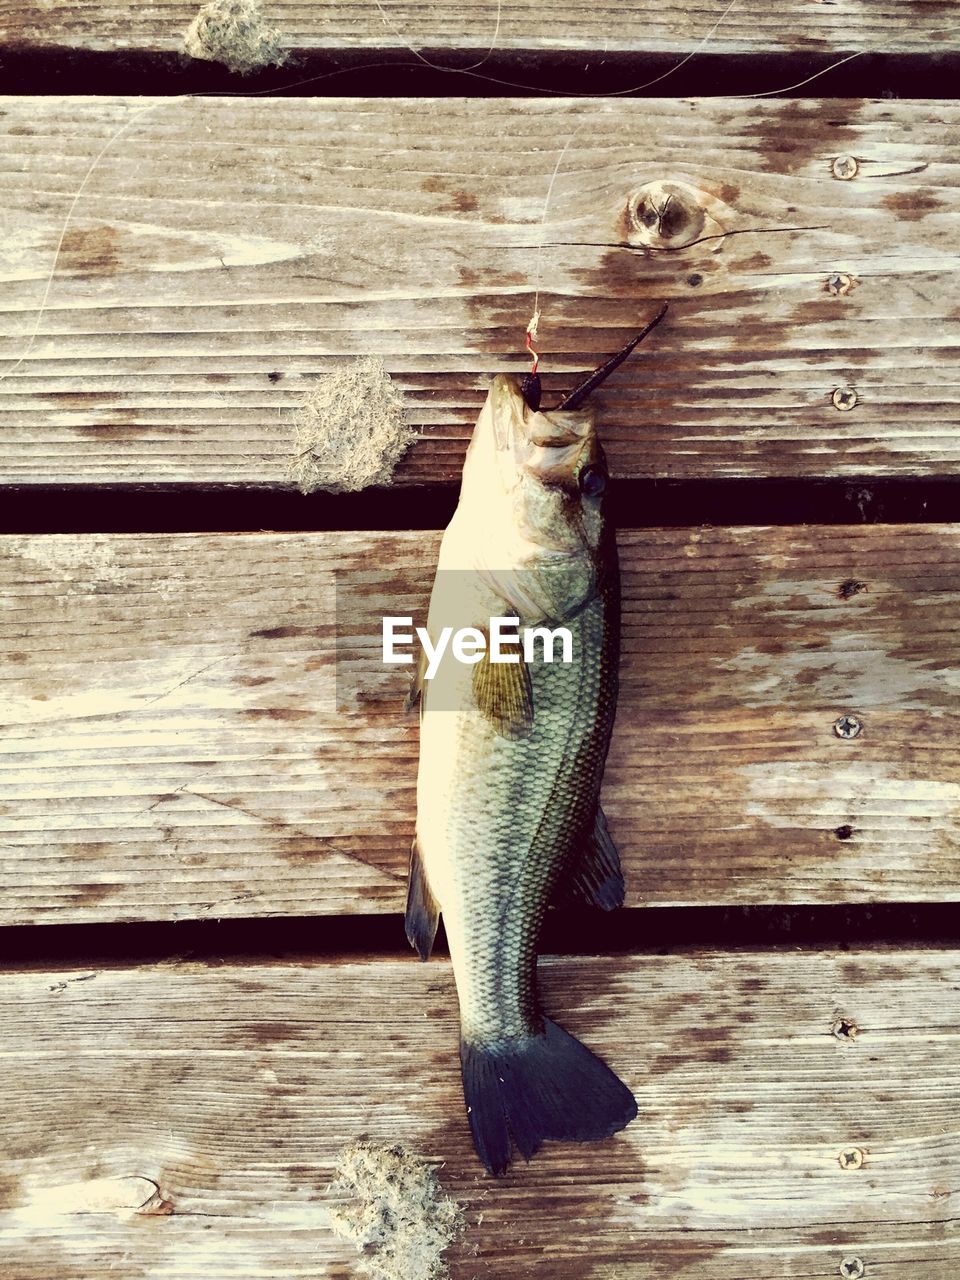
172, 746
224, 253
750, 26
218, 1098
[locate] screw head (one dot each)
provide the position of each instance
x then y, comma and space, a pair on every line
852, 1268
844, 1029
845, 168
839, 284
851, 1158
848, 727
844, 398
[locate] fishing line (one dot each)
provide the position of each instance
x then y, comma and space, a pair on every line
771, 93
94, 164
530, 336
531, 332
139, 114
63, 232
434, 66
470, 71
533, 325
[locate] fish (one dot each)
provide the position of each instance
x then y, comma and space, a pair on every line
512, 755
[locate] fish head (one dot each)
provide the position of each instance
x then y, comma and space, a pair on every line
541, 476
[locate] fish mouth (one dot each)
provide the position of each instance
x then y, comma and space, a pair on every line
543, 428
545, 444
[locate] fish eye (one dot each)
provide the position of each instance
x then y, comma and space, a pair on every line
592, 481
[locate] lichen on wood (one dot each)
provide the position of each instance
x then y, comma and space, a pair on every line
235, 33
351, 430
395, 1211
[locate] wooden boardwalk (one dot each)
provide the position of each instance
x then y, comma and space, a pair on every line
195, 727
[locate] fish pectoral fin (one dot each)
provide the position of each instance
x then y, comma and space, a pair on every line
503, 692
594, 877
415, 692
423, 912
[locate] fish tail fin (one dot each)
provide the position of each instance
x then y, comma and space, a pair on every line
530, 1089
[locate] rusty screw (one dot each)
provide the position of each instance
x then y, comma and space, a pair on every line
844, 1029
839, 283
852, 1158
852, 1268
845, 168
844, 398
848, 727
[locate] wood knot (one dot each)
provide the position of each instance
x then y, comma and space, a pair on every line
666, 215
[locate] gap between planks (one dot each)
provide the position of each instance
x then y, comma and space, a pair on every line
638, 931
633, 504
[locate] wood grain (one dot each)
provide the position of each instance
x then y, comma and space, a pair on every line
226, 253
895, 26
221, 1096
179, 740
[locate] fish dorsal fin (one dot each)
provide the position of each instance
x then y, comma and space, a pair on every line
503, 692
423, 913
594, 877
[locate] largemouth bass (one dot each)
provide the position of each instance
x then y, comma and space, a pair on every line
511, 761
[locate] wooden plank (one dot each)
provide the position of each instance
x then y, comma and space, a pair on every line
885, 26
231, 1089
172, 746
225, 253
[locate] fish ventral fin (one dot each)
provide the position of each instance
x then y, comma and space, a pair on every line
415, 692
423, 913
594, 877
503, 692
523, 1091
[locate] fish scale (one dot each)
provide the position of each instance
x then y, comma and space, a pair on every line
514, 836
